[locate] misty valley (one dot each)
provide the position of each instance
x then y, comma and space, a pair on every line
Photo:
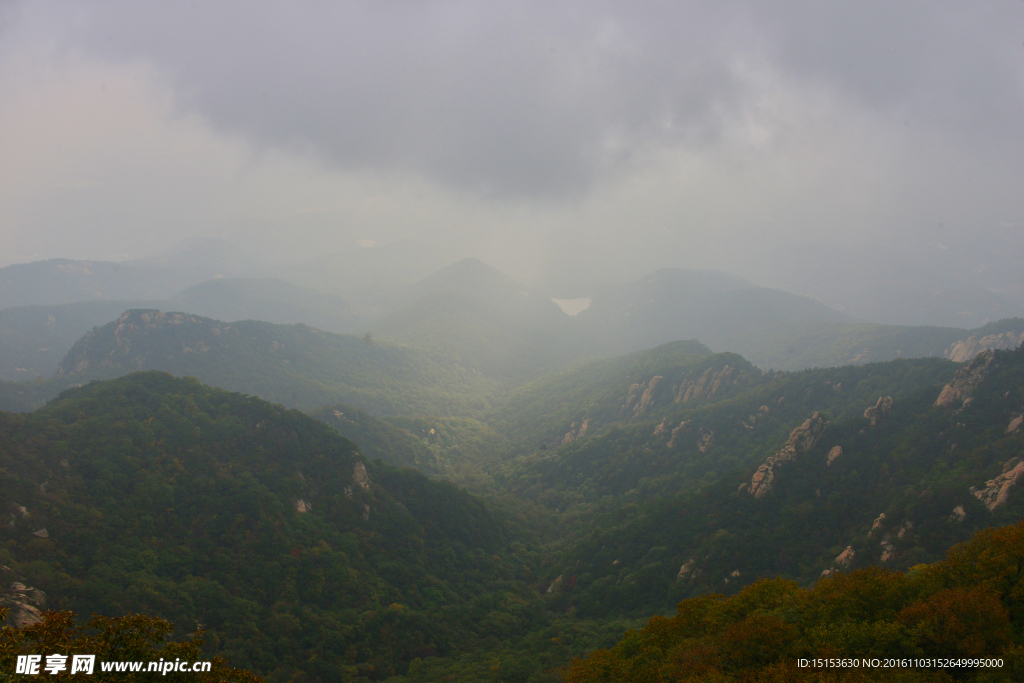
444, 476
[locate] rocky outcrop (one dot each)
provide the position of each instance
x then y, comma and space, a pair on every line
801, 440
575, 432
641, 397
834, 454
686, 569
966, 350
1014, 424
879, 410
647, 398
888, 550
707, 439
705, 386
675, 433
844, 558
965, 381
303, 506
360, 477
958, 515
24, 604
997, 491
889, 545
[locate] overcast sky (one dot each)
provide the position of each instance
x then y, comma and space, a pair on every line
548, 138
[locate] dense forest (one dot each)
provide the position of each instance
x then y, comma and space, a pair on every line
427, 521
958, 619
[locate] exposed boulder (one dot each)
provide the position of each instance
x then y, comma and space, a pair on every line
360, 477
965, 381
967, 349
707, 439
835, 453
997, 491
24, 604
844, 558
1014, 424
888, 550
574, 431
686, 569
801, 439
876, 412
303, 505
675, 432
958, 515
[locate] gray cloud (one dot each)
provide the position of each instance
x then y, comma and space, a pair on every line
548, 133
540, 98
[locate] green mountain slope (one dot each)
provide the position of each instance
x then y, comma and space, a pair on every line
660, 516
543, 411
292, 364
165, 496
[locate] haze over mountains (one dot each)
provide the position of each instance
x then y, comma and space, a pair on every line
685, 433
468, 311
447, 341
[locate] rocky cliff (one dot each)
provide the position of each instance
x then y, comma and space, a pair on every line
23, 603
966, 350
997, 491
801, 440
965, 381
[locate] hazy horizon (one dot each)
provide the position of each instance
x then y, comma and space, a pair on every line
817, 149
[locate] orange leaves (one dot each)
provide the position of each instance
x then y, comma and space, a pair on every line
959, 622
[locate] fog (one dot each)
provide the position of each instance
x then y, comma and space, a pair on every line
823, 148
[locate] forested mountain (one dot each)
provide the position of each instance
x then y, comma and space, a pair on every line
799, 476
162, 495
293, 364
474, 316
615, 487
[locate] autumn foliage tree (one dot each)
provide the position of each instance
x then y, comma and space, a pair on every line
966, 607
134, 638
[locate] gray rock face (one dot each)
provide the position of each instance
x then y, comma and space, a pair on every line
801, 440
